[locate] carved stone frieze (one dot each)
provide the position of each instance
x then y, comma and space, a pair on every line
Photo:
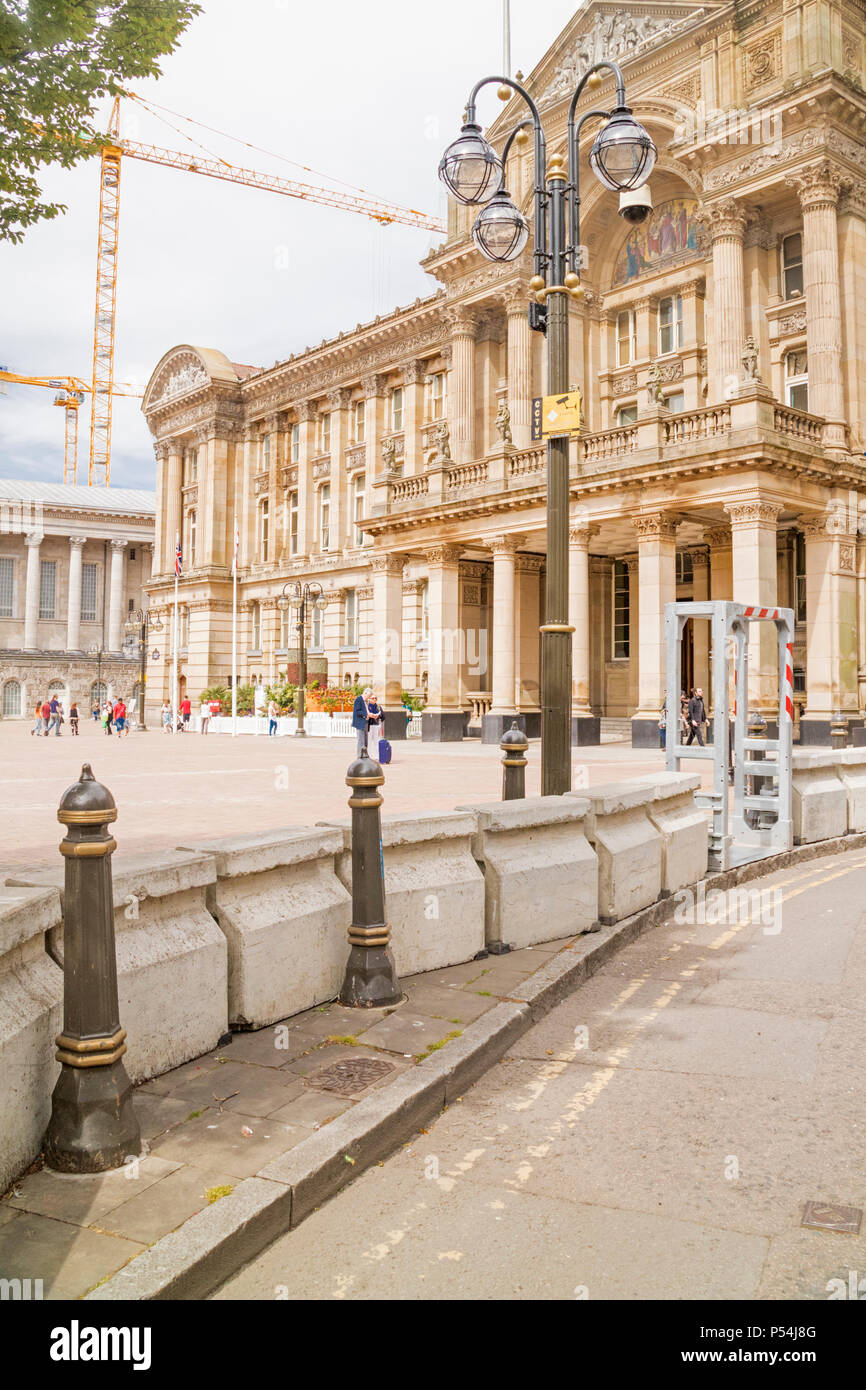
613, 34
791, 147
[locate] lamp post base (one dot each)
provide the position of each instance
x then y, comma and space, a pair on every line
93, 1127
371, 980
300, 733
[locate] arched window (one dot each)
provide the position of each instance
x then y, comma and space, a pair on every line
98, 693
12, 700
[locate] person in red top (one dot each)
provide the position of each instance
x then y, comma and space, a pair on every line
46, 717
119, 715
185, 711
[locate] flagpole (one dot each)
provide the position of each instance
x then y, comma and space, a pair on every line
235, 636
176, 643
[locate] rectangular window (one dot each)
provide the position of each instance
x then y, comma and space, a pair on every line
316, 629
285, 623
626, 415
621, 611
626, 337
685, 568
325, 517
792, 266
800, 577
47, 588
676, 402
397, 409
89, 577
359, 486
264, 530
324, 434
7, 587
351, 633
293, 523
436, 396
296, 443
360, 421
670, 324
266, 453
190, 467
797, 380
193, 532
256, 627
425, 613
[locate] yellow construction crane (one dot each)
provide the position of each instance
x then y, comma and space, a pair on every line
107, 253
70, 393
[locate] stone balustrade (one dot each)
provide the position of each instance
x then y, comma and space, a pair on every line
469, 475
696, 424
608, 444
798, 424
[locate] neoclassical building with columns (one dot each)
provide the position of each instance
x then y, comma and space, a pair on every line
73, 564
720, 348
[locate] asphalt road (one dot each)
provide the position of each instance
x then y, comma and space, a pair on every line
657, 1136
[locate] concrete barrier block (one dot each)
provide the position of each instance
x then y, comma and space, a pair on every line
171, 958
628, 846
684, 828
851, 767
285, 916
540, 872
820, 800
434, 890
31, 1016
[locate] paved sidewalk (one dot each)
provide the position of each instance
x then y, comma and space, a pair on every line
658, 1135
212, 1123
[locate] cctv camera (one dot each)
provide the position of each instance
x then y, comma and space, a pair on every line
636, 205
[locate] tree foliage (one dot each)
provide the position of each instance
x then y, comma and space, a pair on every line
58, 60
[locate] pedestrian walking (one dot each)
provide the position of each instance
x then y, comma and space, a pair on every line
46, 717
663, 724
55, 716
37, 727
73, 719
106, 718
118, 715
204, 716
273, 715
360, 720
185, 714
697, 718
165, 715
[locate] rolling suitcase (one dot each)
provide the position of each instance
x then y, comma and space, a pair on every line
384, 752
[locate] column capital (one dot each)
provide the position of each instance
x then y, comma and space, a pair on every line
34, 539
462, 320
413, 372
374, 384
118, 546
306, 411
729, 219
79, 542
818, 186
693, 289
814, 526
444, 554
161, 449
754, 512
580, 533
853, 199
656, 526
516, 299
647, 301
718, 538
339, 398
506, 545
700, 557
388, 564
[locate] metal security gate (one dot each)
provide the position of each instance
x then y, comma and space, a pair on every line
761, 822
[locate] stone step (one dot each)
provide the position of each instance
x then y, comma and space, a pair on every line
616, 730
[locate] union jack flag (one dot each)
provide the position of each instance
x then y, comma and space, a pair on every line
178, 559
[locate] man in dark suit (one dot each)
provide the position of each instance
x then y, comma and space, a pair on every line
360, 721
697, 718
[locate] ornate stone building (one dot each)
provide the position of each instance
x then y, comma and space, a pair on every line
721, 349
73, 565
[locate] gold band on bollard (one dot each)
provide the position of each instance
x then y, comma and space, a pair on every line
87, 817
365, 781
359, 804
369, 936
557, 627
515, 762
84, 849
90, 1052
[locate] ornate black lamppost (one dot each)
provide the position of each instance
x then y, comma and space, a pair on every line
143, 622
303, 598
622, 158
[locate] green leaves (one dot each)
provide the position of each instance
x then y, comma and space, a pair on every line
58, 60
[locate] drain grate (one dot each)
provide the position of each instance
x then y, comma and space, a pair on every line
821, 1216
350, 1077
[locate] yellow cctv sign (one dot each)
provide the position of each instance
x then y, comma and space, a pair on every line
554, 416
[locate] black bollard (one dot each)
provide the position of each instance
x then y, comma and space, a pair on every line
514, 745
93, 1127
371, 977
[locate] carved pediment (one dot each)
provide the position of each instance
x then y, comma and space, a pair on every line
180, 376
613, 33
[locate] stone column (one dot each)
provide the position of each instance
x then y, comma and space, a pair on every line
171, 507
861, 622
413, 373
520, 390
464, 325
831, 627
728, 220
700, 626
388, 640
373, 387
718, 539
585, 728
444, 721
31, 598
73, 619
755, 583
504, 710
306, 412
657, 587
338, 403
161, 451
818, 188
115, 606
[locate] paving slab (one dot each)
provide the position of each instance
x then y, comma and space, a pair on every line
218, 1141
84, 1200
151, 1214
68, 1259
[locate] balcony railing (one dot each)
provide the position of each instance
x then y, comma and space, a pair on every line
608, 444
409, 488
798, 423
697, 424
528, 461
468, 475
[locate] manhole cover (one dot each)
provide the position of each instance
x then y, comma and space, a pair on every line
351, 1077
820, 1216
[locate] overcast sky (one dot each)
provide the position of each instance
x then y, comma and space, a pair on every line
369, 93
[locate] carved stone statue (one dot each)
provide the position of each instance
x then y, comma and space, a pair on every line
503, 423
389, 456
443, 443
654, 384
750, 359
